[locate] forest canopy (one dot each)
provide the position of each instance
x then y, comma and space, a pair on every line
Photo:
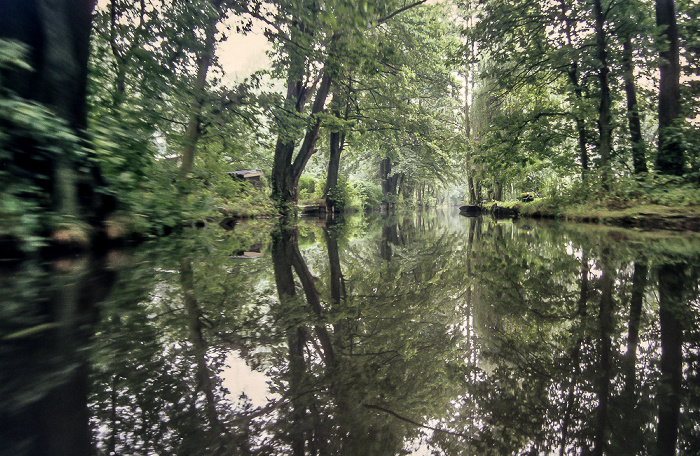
120, 118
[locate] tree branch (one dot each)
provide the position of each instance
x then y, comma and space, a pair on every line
415, 423
399, 11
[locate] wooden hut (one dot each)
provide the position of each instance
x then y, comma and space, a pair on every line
253, 176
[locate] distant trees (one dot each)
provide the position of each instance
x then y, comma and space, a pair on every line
398, 105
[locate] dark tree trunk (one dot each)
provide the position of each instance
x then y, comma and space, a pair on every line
472, 190
573, 73
670, 158
390, 236
384, 171
497, 191
57, 34
333, 168
287, 169
337, 140
639, 159
468, 135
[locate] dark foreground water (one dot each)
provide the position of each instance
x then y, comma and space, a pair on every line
427, 334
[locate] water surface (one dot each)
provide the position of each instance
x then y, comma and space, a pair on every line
424, 334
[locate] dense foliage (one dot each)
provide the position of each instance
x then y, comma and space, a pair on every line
376, 103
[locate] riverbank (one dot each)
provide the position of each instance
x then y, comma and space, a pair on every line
644, 216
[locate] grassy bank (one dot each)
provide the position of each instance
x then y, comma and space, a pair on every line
652, 203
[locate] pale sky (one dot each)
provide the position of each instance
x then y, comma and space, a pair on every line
241, 55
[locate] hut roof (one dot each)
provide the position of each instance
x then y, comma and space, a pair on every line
246, 173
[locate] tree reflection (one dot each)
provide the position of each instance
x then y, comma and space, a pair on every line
464, 336
387, 370
672, 304
47, 313
561, 368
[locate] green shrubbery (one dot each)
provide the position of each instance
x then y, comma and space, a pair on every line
31, 140
370, 194
347, 195
624, 193
309, 189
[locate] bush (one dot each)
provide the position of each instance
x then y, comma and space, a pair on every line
309, 188
370, 195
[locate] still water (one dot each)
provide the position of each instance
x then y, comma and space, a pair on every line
425, 334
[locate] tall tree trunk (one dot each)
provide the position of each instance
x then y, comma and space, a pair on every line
468, 136
604, 114
333, 169
670, 158
573, 74
204, 61
384, 172
497, 191
639, 159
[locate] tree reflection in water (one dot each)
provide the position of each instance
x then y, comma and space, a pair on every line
47, 312
390, 336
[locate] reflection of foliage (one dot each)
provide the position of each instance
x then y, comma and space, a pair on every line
473, 336
555, 318
150, 374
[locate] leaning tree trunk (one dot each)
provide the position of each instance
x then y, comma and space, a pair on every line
192, 133
287, 169
670, 158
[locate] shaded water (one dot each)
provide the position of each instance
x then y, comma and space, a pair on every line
428, 334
